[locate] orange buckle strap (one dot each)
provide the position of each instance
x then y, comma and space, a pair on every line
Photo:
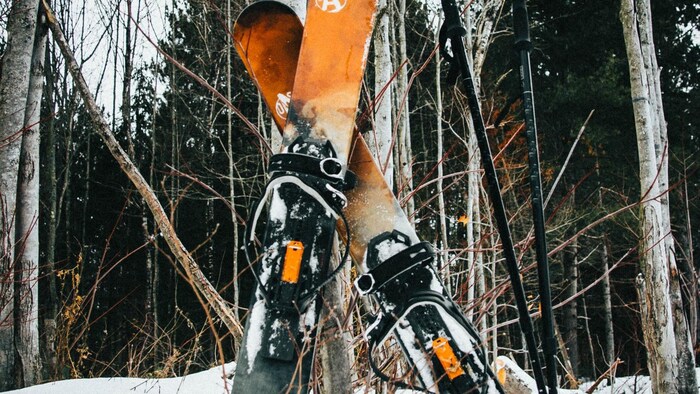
447, 358
292, 262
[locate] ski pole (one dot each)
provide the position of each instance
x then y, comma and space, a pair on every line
523, 46
454, 30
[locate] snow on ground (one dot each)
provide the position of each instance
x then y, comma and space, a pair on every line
522, 382
219, 380
214, 381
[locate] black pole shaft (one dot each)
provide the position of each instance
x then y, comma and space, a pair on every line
454, 32
523, 46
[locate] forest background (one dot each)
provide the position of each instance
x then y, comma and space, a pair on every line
112, 300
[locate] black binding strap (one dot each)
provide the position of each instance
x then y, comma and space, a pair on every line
413, 257
329, 169
323, 179
419, 254
475, 375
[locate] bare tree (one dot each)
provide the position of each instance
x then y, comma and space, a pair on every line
14, 87
666, 334
27, 361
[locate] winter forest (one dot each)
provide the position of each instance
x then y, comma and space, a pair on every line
133, 144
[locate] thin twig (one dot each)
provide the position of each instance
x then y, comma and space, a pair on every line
568, 157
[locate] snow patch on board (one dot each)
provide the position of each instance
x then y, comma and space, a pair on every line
308, 321
255, 332
422, 364
458, 333
278, 209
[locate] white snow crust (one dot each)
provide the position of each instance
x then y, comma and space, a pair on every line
388, 249
217, 380
622, 385
422, 364
278, 209
255, 333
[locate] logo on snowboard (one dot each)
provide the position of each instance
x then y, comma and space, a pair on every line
282, 104
331, 6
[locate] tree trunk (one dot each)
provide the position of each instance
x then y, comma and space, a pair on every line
336, 342
477, 45
126, 82
27, 360
14, 85
607, 307
444, 262
231, 177
687, 382
50, 294
665, 331
380, 144
473, 181
609, 349
687, 266
403, 143
570, 310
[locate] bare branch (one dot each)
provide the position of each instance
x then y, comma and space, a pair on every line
195, 276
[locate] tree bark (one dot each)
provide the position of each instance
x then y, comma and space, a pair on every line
383, 130
687, 382
49, 301
473, 182
336, 342
606, 290
442, 214
27, 360
607, 307
14, 85
665, 331
478, 46
570, 312
231, 174
403, 143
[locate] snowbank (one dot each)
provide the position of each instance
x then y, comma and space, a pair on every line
219, 380
214, 381
516, 381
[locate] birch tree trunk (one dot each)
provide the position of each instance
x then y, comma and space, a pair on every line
477, 48
444, 258
687, 382
14, 84
607, 306
27, 360
570, 310
473, 182
609, 349
403, 143
50, 303
666, 335
231, 164
380, 144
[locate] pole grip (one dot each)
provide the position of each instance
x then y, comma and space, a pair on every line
521, 26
